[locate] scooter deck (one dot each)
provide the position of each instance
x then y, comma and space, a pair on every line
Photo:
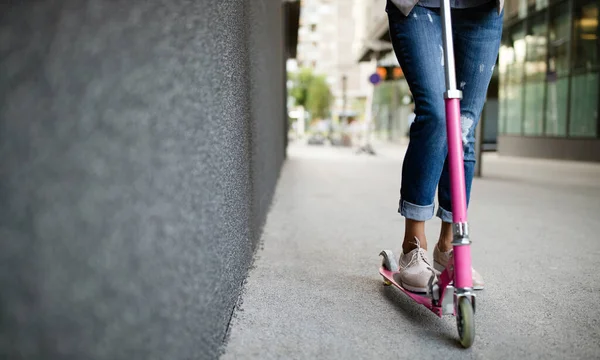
421, 298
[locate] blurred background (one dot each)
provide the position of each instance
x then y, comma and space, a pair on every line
542, 100
166, 165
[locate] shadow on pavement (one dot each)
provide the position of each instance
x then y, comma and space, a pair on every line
424, 321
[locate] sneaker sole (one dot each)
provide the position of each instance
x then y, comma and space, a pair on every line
439, 267
414, 289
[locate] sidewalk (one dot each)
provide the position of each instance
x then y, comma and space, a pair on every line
315, 291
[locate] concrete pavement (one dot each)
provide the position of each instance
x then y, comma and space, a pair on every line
314, 291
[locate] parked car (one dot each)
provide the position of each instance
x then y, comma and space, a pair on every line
316, 139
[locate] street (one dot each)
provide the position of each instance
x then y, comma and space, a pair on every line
314, 291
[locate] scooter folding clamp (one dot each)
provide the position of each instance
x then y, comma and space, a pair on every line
460, 234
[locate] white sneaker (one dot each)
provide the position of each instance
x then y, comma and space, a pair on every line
441, 259
415, 270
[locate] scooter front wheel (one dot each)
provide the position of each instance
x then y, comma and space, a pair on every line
465, 322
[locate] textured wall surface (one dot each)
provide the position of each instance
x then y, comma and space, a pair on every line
140, 142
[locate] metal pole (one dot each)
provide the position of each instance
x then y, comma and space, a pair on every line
393, 107
369, 115
344, 98
450, 68
570, 57
343, 117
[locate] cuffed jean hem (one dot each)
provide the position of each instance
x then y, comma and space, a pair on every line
444, 214
416, 212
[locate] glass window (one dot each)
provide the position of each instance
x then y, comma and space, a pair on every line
541, 4
558, 70
513, 61
584, 105
585, 39
535, 75
583, 121
534, 108
556, 111
535, 61
523, 9
511, 8
325, 9
559, 35
505, 52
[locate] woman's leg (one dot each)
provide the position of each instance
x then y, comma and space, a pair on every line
477, 34
417, 43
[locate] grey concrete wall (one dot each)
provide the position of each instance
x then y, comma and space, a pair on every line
140, 142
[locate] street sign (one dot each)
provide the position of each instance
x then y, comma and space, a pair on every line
374, 78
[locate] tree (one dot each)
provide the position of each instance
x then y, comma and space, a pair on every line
319, 98
301, 81
311, 92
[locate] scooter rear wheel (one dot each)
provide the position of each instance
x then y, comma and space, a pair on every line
465, 322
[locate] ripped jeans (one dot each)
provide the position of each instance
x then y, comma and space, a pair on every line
417, 42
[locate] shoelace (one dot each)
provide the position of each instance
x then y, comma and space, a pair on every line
420, 253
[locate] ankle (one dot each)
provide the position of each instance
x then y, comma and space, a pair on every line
410, 244
414, 236
445, 241
444, 246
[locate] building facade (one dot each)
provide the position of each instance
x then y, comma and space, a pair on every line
325, 44
549, 80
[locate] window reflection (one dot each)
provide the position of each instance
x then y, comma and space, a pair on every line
559, 35
585, 28
584, 83
535, 74
511, 65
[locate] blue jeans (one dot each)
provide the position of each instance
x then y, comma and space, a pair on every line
417, 41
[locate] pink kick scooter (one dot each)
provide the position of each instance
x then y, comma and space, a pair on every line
443, 298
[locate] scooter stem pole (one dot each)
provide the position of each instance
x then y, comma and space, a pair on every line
458, 192
452, 96
450, 66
